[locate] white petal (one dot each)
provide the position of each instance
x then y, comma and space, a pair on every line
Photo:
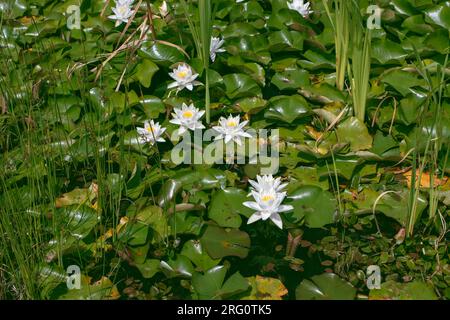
175, 121
172, 85
276, 219
285, 208
200, 114
199, 125
254, 217
254, 184
252, 205
181, 130
245, 134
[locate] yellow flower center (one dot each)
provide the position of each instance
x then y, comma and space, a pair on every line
122, 10
188, 114
267, 198
182, 74
232, 123
150, 129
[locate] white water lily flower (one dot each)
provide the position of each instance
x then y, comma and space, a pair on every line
231, 129
128, 2
163, 10
184, 77
300, 6
215, 47
151, 132
188, 118
268, 206
267, 182
122, 11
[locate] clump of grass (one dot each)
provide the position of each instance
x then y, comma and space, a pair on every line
200, 25
359, 68
434, 146
341, 26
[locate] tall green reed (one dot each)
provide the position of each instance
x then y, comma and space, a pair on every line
340, 22
200, 21
359, 68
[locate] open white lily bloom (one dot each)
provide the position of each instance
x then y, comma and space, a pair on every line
231, 129
122, 11
184, 78
151, 132
128, 2
215, 47
267, 182
163, 10
301, 6
187, 118
268, 206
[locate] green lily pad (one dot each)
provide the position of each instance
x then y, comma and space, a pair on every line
291, 78
402, 81
210, 286
226, 206
160, 53
220, 242
78, 221
395, 205
326, 286
153, 217
251, 105
194, 251
240, 85
181, 266
285, 40
386, 51
144, 72
287, 108
439, 15
149, 268
354, 132
200, 180
314, 205
153, 106
264, 288
392, 290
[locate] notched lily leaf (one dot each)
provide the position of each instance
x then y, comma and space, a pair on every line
220, 242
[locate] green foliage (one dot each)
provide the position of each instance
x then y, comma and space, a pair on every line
364, 135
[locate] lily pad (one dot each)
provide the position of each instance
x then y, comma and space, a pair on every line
226, 206
327, 286
354, 132
392, 290
314, 205
220, 242
287, 108
264, 288
194, 251
210, 285
240, 85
